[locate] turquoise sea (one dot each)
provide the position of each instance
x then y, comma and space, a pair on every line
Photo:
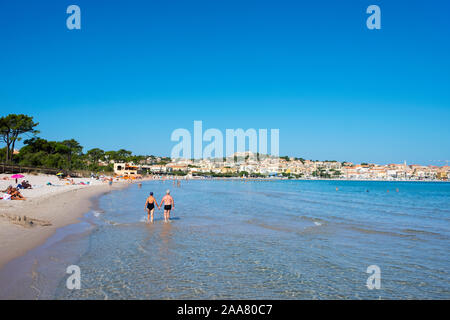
250, 240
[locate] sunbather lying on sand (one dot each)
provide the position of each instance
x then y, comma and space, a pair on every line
15, 194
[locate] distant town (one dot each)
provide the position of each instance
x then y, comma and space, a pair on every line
40, 155
251, 165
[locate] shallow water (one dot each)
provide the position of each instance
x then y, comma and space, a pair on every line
259, 239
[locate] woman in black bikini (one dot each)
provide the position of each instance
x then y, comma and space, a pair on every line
150, 206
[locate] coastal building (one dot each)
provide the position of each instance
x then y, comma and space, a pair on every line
443, 173
378, 173
227, 170
125, 169
171, 167
307, 169
156, 168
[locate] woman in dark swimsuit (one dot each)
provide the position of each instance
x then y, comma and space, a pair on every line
150, 206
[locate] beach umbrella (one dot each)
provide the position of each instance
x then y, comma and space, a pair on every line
17, 176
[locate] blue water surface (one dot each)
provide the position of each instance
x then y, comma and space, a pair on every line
270, 240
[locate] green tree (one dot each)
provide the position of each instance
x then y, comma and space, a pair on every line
2, 153
37, 144
70, 148
40, 152
243, 173
111, 155
12, 127
95, 155
121, 155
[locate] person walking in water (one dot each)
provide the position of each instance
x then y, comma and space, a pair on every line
169, 204
150, 206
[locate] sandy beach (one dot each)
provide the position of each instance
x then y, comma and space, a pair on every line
46, 208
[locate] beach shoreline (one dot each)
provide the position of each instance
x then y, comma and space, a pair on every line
49, 212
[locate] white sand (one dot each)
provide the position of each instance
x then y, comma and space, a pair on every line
58, 204
40, 187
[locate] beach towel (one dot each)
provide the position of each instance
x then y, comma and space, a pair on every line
6, 196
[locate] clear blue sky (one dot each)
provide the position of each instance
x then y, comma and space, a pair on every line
137, 70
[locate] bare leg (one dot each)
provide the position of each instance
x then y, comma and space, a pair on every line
165, 215
151, 212
148, 215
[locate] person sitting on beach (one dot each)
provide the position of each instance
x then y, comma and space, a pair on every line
26, 185
169, 204
150, 206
